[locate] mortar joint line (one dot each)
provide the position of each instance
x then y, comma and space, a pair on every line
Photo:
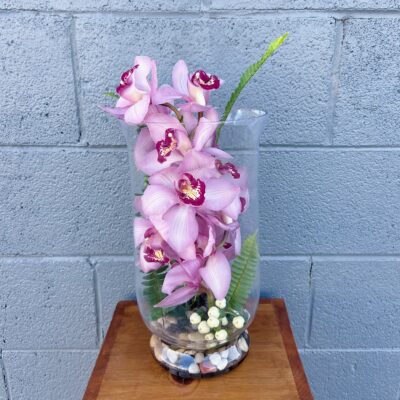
97, 300
5, 377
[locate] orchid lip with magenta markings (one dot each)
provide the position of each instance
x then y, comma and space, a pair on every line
194, 188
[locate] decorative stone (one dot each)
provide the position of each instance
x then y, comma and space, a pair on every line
206, 367
194, 369
213, 312
153, 341
185, 361
238, 322
190, 352
164, 354
199, 358
224, 354
213, 322
224, 321
221, 334
172, 356
220, 303
215, 358
203, 327
222, 364
158, 349
243, 345
209, 336
234, 353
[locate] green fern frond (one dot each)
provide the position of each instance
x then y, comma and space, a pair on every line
244, 269
111, 94
152, 284
245, 78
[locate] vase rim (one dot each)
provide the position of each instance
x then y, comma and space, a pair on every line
237, 116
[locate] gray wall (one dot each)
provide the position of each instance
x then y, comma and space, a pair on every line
330, 177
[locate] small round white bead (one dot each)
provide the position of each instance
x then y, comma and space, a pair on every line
224, 321
195, 318
238, 322
213, 322
209, 336
220, 303
221, 334
203, 327
213, 312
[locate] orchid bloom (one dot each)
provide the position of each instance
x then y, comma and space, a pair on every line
135, 91
184, 280
165, 141
194, 88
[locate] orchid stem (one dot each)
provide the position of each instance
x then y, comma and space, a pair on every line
199, 115
210, 299
175, 110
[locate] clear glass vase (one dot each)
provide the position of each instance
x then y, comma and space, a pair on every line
205, 336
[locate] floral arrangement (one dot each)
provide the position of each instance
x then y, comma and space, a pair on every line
187, 228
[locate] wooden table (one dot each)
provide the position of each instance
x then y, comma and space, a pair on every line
126, 370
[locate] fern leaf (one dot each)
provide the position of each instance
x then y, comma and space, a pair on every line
244, 269
152, 283
245, 78
111, 94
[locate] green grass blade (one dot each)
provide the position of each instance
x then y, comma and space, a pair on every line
245, 78
152, 283
111, 94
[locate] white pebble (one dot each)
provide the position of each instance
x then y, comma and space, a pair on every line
153, 341
224, 354
222, 364
203, 327
215, 358
243, 345
234, 353
194, 369
220, 303
199, 358
224, 321
213, 312
213, 322
238, 322
195, 318
172, 356
209, 336
221, 334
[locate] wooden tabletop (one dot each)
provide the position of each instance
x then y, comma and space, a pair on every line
126, 370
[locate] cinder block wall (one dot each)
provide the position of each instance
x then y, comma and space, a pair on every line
329, 177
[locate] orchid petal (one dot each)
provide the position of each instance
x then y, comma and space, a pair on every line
196, 93
217, 274
116, 112
204, 132
189, 120
195, 159
179, 296
183, 230
121, 102
140, 226
175, 277
233, 209
180, 77
219, 193
136, 113
166, 177
214, 151
159, 123
165, 94
157, 199
140, 74
211, 242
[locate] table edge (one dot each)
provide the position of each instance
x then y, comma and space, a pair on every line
299, 376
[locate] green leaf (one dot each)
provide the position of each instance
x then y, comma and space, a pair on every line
152, 283
245, 78
111, 94
244, 269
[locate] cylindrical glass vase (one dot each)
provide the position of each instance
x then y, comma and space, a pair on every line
202, 335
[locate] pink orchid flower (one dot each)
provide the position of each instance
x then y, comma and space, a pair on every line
135, 91
165, 141
194, 88
172, 200
184, 280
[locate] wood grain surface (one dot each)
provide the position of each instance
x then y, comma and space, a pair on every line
126, 370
